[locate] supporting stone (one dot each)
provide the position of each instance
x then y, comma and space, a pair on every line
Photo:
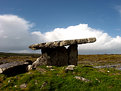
42, 60
57, 56
72, 54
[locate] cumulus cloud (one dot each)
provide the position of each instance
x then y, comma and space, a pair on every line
16, 37
104, 43
14, 33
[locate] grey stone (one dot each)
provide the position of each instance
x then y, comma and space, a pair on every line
42, 60
61, 43
73, 54
82, 79
57, 56
50, 67
23, 85
13, 68
29, 67
70, 68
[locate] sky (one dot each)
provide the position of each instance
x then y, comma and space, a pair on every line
25, 22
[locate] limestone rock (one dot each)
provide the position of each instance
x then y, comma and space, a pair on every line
70, 68
61, 43
73, 54
82, 79
13, 68
50, 67
29, 67
42, 60
57, 56
23, 85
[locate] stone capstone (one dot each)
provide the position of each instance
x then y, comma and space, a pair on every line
61, 43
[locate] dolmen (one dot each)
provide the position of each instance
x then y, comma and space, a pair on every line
59, 53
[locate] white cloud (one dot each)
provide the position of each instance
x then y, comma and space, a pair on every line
14, 33
104, 43
15, 36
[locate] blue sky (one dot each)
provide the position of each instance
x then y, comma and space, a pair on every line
24, 22
50, 14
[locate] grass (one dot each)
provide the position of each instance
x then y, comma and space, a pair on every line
46, 79
59, 80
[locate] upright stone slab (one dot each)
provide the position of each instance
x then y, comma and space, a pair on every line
72, 54
57, 56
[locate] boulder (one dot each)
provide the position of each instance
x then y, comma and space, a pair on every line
42, 60
14, 68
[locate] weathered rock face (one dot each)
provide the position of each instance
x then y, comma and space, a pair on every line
73, 55
13, 68
42, 60
57, 56
61, 43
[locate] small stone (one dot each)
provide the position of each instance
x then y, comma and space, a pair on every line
69, 68
29, 67
82, 79
50, 67
23, 85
